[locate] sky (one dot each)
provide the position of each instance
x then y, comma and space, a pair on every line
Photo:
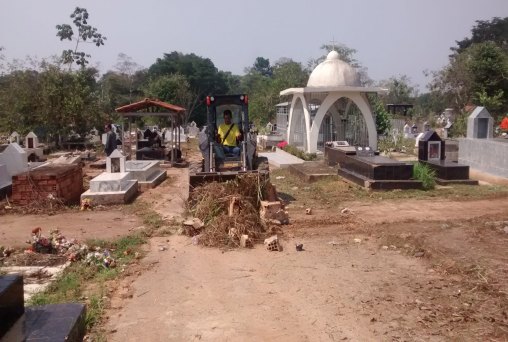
392, 37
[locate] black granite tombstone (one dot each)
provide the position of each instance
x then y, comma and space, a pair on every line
12, 304
431, 152
431, 147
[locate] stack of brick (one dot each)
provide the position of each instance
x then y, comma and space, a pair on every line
64, 182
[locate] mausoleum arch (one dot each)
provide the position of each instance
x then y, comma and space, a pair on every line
299, 111
359, 100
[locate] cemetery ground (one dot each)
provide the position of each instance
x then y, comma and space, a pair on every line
376, 266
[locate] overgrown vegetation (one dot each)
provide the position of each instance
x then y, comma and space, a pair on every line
397, 144
424, 174
299, 153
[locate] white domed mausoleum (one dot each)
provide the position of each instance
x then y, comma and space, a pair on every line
333, 106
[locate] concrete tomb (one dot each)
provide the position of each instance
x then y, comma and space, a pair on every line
115, 186
480, 124
431, 152
146, 172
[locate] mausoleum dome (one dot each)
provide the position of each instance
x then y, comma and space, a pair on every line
333, 72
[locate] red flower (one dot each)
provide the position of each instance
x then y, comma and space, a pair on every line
282, 144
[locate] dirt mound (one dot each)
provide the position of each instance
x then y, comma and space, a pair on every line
229, 210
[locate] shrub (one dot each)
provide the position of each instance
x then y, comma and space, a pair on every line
424, 174
299, 153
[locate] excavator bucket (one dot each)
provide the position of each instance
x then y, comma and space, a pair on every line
200, 178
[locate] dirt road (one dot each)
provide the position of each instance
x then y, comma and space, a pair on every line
390, 271
15, 229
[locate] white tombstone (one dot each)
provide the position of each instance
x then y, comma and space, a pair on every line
115, 162
269, 127
193, 130
418, 137
168, 134
14, 158
14, 137
407, 131
31, 140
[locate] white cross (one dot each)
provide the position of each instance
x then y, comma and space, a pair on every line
333, 43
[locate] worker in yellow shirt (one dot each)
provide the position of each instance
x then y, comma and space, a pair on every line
229, 134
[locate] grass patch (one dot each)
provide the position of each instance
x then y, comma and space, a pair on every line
334, 193
151, 219
85, 283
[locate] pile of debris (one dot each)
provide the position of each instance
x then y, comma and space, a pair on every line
228, 214
56, 243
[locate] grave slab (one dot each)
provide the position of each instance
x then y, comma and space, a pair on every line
281, 158
147, 173
313, 171
53, 322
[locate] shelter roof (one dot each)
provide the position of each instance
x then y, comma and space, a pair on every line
148, 104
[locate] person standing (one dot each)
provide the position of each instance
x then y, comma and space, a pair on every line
110, 140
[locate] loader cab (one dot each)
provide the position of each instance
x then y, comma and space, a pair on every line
237, 104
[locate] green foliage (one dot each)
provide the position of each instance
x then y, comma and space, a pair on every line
201, 74
400, 90
52, 101
477, 69
424, 174
86, 33
264, 91
262, 67
383, 124
299, 153
494, 31
459, 127
398, 143
174, 88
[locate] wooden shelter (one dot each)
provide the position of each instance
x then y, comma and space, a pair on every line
149, 107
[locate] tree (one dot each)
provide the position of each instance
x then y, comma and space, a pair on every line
86, 34
264, 91
172, 88
495, 30
488, 66
201, 73
383, 124
49, 100
400, 90
261, 66
477, 72
127, 68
